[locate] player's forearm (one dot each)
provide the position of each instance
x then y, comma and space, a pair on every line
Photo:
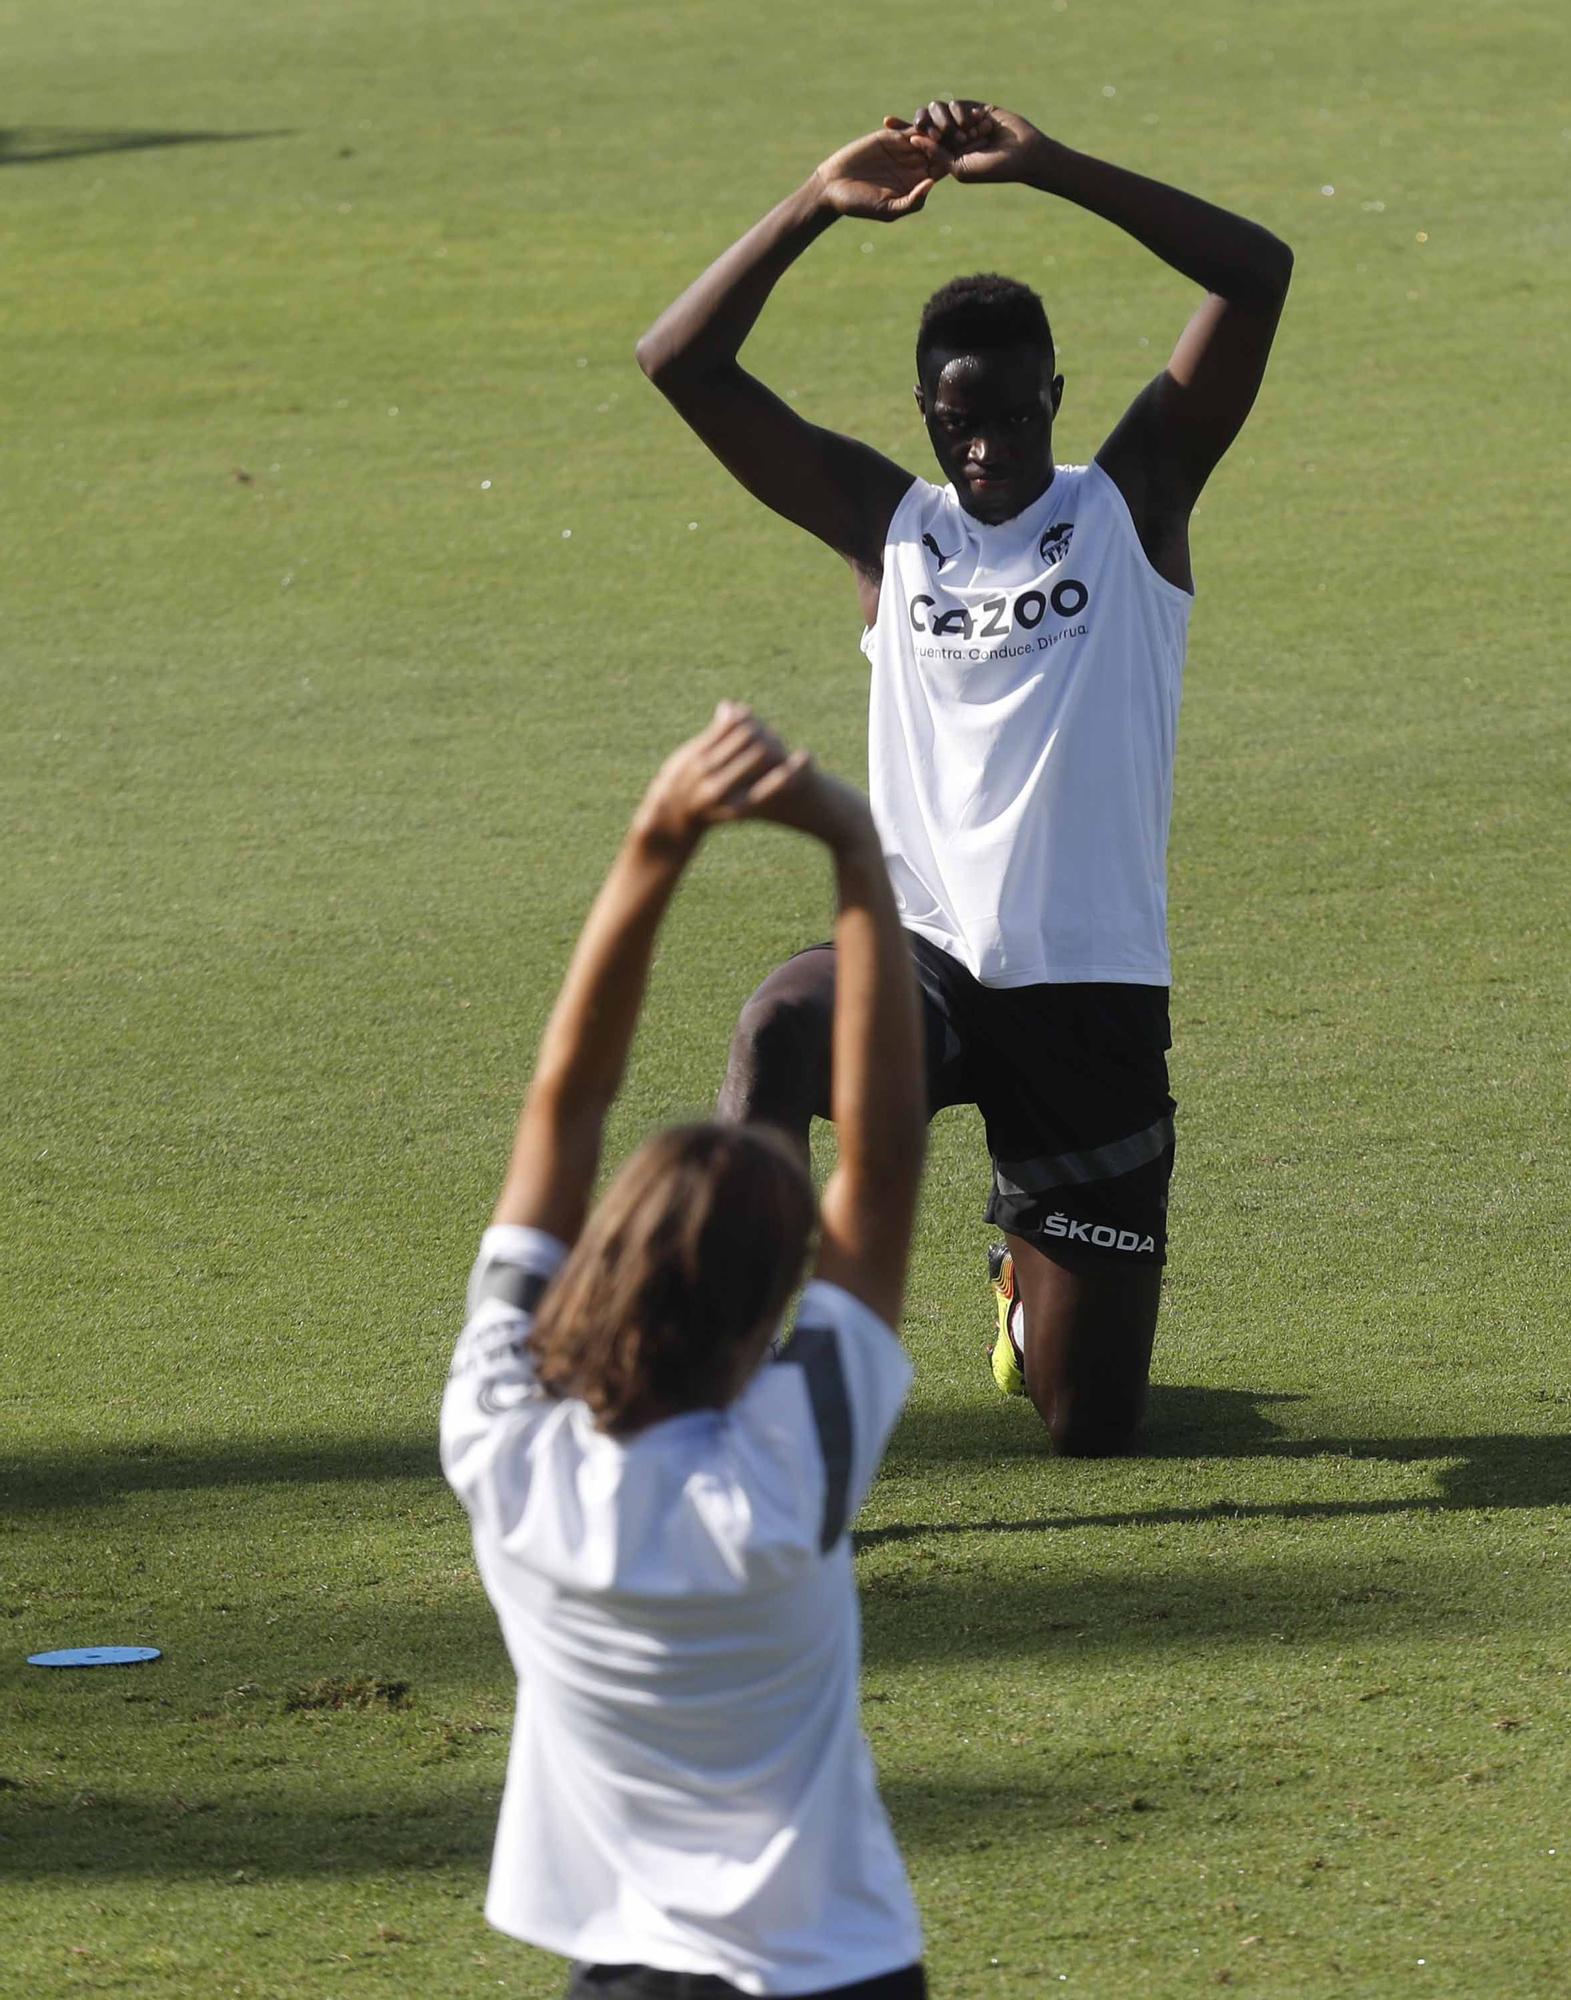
584, 1050
705, 328
1223, 252
877, 1093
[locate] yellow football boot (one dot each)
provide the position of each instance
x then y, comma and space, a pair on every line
1004, 1355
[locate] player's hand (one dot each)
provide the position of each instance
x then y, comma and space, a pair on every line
884, 176
798, 794
979, 142
707, 780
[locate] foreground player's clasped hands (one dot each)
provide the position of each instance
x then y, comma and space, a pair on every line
737, 769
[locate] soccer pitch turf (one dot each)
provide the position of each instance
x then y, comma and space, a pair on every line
355, 581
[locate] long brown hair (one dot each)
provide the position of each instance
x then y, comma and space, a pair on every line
692, 1250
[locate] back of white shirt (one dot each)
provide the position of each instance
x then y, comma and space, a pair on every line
1021, 730
688, 1785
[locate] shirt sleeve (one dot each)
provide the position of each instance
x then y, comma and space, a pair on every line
492, 1395
857, 1376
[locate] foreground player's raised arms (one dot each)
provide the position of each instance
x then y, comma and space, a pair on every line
1169, 441
728, 772
839, 489
738, 769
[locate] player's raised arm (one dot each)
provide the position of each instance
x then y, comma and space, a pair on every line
878, 1090
714, 777
1169, 440
840, 490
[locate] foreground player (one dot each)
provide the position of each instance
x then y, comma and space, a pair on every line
1026, 627
660, 1513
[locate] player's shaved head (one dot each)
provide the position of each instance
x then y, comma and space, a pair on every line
987, 392
973, 315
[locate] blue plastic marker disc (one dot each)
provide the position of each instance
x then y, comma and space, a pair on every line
96, 1656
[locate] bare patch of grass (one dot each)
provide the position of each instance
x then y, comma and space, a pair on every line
362, 1691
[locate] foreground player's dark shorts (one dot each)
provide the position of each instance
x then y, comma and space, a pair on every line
643, 1982
1071, 1082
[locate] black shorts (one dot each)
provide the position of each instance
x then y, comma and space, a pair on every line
642, 1982
1071, 1082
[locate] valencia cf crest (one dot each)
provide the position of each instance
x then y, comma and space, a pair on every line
1054, 545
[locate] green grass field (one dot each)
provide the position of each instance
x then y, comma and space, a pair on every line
354, 581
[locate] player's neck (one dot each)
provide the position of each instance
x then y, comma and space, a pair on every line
976, 505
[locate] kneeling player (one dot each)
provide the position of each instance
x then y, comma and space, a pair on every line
1026, 624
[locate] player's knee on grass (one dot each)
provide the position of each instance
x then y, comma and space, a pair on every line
1100, 1427
778, 1071
1091, 1404
1088, 1335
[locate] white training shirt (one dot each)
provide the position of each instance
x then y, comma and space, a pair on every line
1021, 729
688, 1784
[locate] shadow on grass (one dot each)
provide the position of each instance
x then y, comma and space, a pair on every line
1196, 1424
246, 1648
919, 1604
1486, 1471
1181, 1422
407, 1805
239, 1845
34, 145
46, 1480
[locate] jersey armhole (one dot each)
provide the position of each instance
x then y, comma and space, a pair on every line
1127, 520
914, 492
918, 486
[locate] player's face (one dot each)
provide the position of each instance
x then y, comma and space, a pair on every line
990, 418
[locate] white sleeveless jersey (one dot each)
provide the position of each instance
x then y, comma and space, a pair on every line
1021, 730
